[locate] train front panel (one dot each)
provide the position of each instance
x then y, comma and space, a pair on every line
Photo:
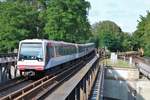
31, 56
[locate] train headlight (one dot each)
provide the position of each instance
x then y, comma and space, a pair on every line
38, 58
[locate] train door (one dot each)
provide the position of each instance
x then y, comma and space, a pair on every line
47, 54
77, 51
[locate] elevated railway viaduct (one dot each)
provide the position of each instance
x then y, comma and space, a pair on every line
82, 84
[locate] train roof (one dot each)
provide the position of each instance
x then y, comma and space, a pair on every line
86, 44
32, 40
89, 44
39, 40
44, 40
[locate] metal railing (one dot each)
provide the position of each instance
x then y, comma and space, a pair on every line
7, 58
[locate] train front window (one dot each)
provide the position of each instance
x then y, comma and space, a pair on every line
31, 51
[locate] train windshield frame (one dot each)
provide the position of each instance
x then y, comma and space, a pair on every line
31, 51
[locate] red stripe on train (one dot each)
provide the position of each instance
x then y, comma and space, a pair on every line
35, 67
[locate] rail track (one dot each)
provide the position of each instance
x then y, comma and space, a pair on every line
141, 59
42, 87
6, 85
13, 87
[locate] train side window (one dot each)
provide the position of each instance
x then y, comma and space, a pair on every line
51, 52
65, 50
74, 49
61, 50
56, 50
47, 54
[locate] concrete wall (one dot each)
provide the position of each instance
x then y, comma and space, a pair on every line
122, 73
143, 90
124, 84
116, 89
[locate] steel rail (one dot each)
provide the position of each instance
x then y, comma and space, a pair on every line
137, 59
13, 83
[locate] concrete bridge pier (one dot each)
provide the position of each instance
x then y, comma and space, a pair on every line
8, 71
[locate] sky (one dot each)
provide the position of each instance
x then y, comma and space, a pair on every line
124, 13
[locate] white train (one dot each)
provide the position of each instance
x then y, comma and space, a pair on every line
36, 55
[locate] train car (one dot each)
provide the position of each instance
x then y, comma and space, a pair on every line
36, 55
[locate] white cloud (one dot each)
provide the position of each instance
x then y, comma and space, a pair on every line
125, 13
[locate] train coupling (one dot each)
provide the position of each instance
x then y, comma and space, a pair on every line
30, 73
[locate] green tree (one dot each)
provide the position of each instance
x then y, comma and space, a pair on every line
109, 35
67, 20
142, 34
127, 43
18, 20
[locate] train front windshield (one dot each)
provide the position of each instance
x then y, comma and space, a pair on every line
31, 51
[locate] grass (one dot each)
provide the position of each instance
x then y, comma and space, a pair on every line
119, 63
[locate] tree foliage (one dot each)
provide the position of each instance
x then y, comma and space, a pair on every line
141, 36
19, 19
67, 20
109, 34
127, 43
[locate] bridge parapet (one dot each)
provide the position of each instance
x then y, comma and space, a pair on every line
80, 86
8, 58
